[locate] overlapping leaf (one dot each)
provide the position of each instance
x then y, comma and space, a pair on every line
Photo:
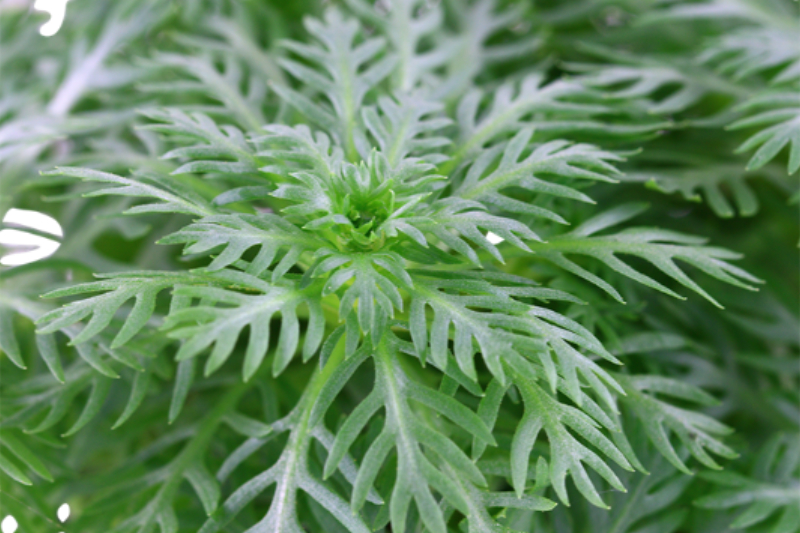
698, 432
714, 183
236, 234
117, 289
417, 471
554, 158
771, 492
567, 454
227, 143
779, 116
223, 85
222, 316
169, 196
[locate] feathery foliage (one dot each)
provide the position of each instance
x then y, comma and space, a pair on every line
362, 266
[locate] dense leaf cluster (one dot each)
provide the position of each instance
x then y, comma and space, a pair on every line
353, 266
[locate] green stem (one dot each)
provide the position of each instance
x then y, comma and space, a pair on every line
194, 450
299, 439
395, 399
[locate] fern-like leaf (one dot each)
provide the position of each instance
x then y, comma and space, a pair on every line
554, 158
223, 86
779, 115
696, 431
772, 491
170, 196
117, 290
227, 143
658, 247
239, 233
348, 78
224, 314
568, 455
417, 473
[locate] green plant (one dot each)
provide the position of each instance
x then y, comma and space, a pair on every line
392, 267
